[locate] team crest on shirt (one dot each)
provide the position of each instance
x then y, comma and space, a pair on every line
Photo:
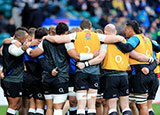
144, 39
87, 36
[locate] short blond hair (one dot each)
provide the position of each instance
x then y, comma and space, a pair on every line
52, 30
74, 29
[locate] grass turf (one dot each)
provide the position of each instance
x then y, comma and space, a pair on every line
156, 108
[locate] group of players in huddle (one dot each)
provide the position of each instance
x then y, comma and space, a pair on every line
42, 69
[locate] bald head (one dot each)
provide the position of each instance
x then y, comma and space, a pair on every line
110, 29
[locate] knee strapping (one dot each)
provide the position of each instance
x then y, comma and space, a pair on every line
81, 96
50, 96
91, 95
60, 98
71, 91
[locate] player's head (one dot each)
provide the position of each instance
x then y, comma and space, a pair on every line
21, 36
122, 33
40, 32
132, 28
98, 31
31, 33
86, 24
62, 28
52, 30
74, 29
110, 29
23, 28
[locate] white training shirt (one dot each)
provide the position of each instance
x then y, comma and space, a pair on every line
15, 51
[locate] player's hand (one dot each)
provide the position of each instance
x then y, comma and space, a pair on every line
1, 74
34, 43
28, 44
150, 60
45, 37
157, 60
80, 65
17, 43
95, 53
145, 70
7, 41
25, 46
121, 38
54, 71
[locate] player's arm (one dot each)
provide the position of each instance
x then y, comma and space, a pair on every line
75, 55
61, 38
37, 51
131, 44
152, 66
125, 48
16, 51
95, 60
47, 67
110, 38
100, 57
140, 57
7, 41
147, 68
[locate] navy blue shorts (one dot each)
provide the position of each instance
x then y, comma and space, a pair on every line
33, 87
153, 87
12, 89
85, 81
116, 86
141, 83
54, 84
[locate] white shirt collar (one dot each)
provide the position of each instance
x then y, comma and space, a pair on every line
85, 29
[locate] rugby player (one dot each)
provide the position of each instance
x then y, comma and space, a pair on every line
140, 81
13, 69
32, 82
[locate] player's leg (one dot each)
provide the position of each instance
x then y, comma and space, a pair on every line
72, 96
81, 87
14, 95
124, 95
99, 106
93, 84
32, 106
49, 103
58, 103
152, 93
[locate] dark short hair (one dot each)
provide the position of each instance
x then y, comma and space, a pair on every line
122, 33
86, 24
31, 31
135, 26
40, 32
61, 28
23, 28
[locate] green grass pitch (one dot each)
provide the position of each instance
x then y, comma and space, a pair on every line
156, 108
